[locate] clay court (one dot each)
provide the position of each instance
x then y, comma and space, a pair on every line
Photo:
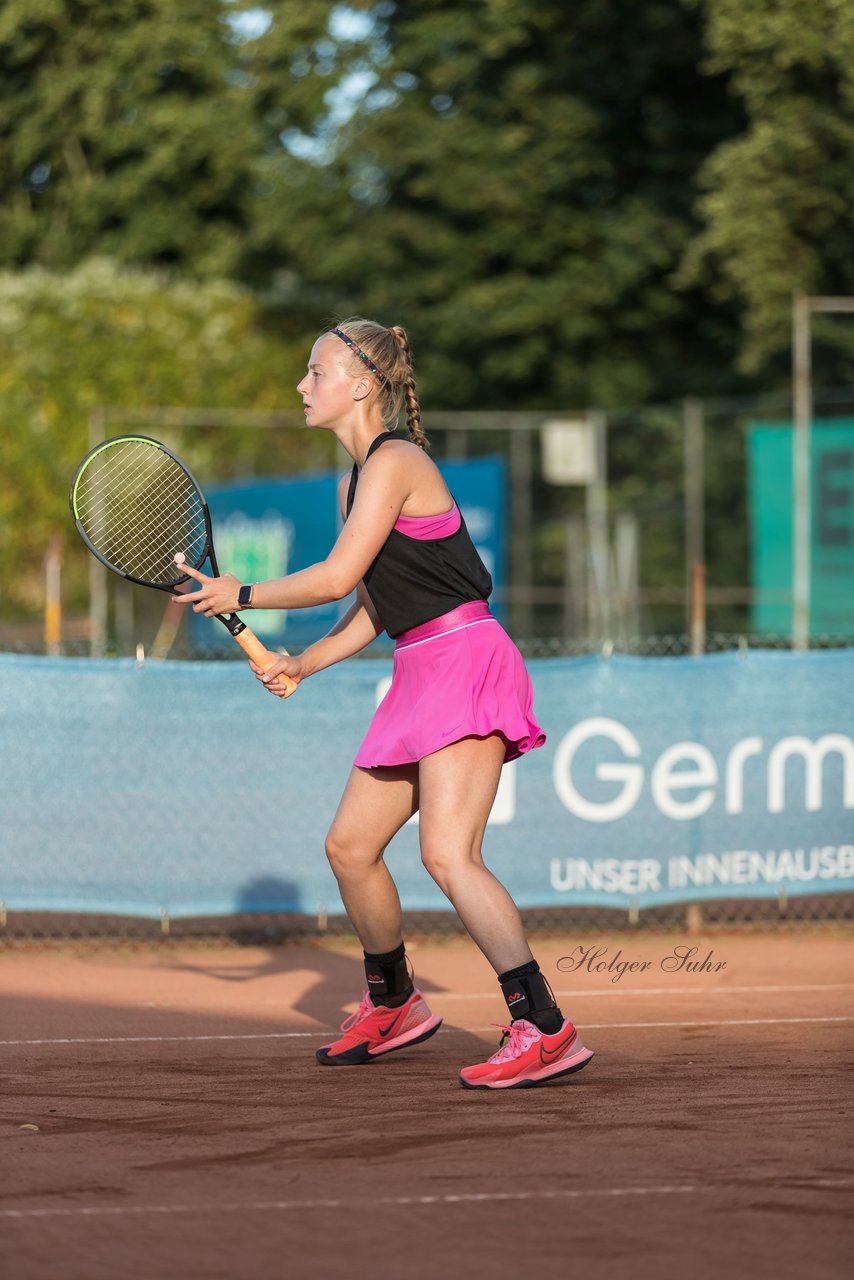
184, 1129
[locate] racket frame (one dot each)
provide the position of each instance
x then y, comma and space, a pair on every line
233, 623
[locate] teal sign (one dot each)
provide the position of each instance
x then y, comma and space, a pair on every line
769, 454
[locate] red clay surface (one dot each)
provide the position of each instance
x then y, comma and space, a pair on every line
184, 1129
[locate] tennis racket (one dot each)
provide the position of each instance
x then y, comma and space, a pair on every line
137, 507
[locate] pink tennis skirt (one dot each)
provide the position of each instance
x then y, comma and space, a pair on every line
457, 676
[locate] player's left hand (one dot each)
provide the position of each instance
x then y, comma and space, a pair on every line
215, 595
269, 676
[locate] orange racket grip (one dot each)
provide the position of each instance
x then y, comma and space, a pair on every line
263, 658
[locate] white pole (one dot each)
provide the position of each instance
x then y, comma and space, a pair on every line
521, 510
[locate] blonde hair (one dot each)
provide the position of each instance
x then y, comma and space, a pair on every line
388, 350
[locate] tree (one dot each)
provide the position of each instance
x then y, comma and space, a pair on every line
100, 336
778, 197
515, 183
126, 132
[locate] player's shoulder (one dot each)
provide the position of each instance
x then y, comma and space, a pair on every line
392, 443
397, 453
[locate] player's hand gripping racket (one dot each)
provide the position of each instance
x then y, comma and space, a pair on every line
137, 507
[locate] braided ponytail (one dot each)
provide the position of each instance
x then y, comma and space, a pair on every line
389, 352
413, 408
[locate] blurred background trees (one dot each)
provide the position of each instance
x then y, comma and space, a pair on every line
567, 204
125, 134
100, 335
597, 202
517, 181
777, 202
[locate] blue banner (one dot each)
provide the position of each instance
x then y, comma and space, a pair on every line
269, 529
266, 529
183, 787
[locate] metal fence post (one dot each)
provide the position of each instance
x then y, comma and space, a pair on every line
802, 423
521, 508
695, 537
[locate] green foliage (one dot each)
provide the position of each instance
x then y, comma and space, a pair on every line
565, 204
608, 202
97, 336
127, 133
779, 197
515, 185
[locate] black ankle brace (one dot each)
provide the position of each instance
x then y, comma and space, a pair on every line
388, 977
529, 995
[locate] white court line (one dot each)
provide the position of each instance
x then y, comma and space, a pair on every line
656, 991
721, 1022
320, 1035
248, 1035
473, 1197
279, 1205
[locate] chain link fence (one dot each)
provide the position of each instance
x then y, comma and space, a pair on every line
664, 645
581, 579
827, 911
21, 929
783, 911
595, 558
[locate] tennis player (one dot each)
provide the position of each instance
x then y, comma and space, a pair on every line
460, 705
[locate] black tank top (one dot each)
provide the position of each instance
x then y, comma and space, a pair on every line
414, 580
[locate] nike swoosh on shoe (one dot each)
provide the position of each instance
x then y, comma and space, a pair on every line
392, 1026
548, 1056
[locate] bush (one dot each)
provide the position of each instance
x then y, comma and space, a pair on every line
102, 335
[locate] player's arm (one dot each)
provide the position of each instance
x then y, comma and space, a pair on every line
354, 631
359, 626
383, 489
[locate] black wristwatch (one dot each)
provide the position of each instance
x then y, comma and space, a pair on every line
244, 596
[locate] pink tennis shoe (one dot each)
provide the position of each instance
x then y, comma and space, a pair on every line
374, 1030
528, 1057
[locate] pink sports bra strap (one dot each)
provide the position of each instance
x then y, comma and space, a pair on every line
425, 527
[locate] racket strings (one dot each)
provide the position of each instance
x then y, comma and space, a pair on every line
151, 517
138, 507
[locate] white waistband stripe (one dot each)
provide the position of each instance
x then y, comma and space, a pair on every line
439, 634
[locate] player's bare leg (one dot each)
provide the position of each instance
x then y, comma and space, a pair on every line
392, 1014
457, 790
458, 786
375, 805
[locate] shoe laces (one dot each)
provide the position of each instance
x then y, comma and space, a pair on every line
517, 1038
366, 1007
